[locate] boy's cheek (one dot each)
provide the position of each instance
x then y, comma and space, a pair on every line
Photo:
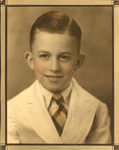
39, 67
68, 68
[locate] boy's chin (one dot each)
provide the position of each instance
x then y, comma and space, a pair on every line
54, 89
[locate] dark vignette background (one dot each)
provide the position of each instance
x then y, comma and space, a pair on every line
96, 73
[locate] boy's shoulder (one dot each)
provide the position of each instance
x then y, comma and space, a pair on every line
86, 96
24, 95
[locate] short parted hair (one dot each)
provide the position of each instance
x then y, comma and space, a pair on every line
56, 22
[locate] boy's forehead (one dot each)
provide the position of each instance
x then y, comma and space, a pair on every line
51, 38
45, 34
45, 41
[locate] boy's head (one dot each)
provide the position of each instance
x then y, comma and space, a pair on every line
56, 22
55, 43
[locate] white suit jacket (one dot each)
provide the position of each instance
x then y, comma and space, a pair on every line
28, 120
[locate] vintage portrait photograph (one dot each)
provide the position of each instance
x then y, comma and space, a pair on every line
59, 75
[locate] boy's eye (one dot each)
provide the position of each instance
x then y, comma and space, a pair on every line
64, 58
44, 56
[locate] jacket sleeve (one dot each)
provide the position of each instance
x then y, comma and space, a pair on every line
12, 134
100, 131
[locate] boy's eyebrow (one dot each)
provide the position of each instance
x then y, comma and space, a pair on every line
42, 51
66, 53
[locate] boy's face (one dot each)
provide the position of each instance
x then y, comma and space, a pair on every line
54, 58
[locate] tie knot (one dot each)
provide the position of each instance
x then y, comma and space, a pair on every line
58, 98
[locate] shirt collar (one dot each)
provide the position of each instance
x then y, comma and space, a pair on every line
47, 95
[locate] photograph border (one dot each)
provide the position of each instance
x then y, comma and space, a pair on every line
113, 136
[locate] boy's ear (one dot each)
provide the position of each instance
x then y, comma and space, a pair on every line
80, 60
29, 59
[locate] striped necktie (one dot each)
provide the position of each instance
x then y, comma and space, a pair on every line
60, 113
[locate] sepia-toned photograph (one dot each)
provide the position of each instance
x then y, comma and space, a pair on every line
59, 75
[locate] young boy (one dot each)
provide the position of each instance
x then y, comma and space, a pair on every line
55, 109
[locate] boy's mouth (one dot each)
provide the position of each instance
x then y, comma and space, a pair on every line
53, 78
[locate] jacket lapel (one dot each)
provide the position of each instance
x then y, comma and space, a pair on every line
38, 117
80, 116
79, 121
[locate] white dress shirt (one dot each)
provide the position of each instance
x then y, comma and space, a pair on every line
47, 95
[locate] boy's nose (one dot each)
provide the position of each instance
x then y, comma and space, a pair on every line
54, 65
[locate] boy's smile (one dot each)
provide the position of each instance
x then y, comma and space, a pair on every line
54, 58
53, 78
